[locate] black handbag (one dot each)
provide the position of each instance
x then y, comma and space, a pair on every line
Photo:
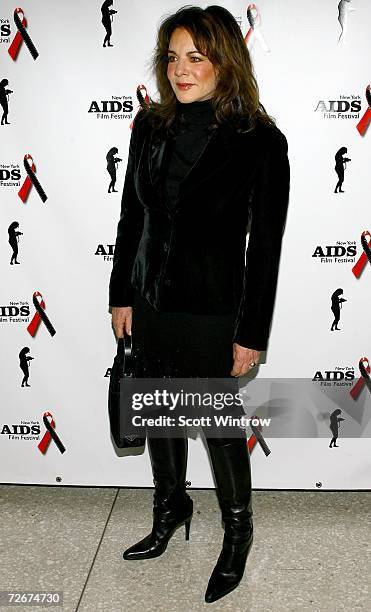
123, 366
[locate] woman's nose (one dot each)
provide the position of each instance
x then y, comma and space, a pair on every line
181, 68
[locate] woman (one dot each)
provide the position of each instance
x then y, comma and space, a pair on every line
336, 305
13, 241
203, 162
111, 167
4, 93
340, 165
24, 365
335, 421
107, 13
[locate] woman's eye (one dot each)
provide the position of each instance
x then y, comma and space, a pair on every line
171, 58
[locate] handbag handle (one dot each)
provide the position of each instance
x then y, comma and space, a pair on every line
124, 351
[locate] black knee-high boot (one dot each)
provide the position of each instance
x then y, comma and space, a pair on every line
231, 465
172, 506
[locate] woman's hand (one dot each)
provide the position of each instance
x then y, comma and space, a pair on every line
243, 358
121, 320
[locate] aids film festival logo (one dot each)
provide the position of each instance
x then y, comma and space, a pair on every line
343, 106
338, 376
24, 430
10, 175
342, 252
20, 312
15, 312
348, 390
105, 251
119, 107
5, 31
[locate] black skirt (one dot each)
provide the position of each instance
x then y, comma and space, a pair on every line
184, 345
180, 344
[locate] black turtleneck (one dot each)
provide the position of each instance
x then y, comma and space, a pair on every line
188, 143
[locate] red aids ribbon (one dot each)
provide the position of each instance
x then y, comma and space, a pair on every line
365, 120
251, 443
143, 101
22, 35
27, 184
38, 316
364, 378
253, 19
366, 255
49, 434
31, 180
257, 437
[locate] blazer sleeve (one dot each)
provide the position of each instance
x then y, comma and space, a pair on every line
129, 231
268, 216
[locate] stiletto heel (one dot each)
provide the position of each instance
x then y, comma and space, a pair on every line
172, 506
187, 527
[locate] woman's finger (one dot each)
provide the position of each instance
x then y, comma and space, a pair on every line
127, 324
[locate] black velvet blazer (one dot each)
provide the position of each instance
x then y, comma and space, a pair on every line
192, 257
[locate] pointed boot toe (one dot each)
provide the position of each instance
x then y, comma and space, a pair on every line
147, 548
229, 569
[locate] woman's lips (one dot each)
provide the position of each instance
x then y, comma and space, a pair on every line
184, 86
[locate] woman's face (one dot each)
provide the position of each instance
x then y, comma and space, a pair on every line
188, 67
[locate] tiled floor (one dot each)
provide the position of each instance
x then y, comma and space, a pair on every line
311, 551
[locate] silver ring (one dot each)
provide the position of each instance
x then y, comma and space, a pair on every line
252, 364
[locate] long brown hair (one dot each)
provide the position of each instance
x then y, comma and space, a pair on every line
217, 35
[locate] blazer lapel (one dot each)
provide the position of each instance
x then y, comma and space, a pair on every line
218, 148
158, 147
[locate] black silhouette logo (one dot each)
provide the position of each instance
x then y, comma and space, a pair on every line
107, 18
112, 162
13, 240
340, 166
344, 9
4, 97
24, 360
336, 305
334, 426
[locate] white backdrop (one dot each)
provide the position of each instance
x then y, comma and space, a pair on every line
61, 251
